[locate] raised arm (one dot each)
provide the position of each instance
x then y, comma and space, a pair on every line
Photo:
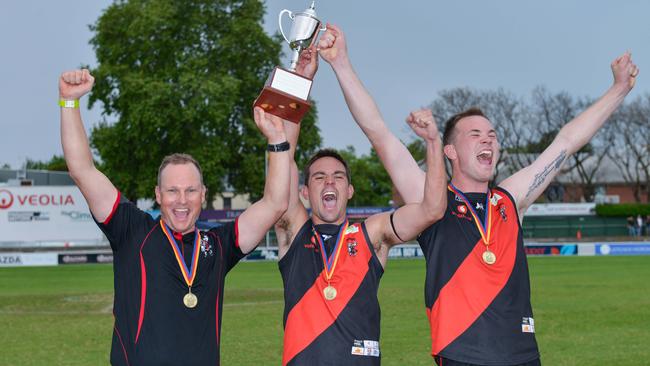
410, 220
407, 177
529, 183
99, 192
260, 217
296, 215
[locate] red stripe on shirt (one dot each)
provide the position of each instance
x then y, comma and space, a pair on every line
220, 284
143, 285
312, 315
119, 337
474, 285
117, 202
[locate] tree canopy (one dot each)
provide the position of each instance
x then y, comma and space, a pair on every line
181, 76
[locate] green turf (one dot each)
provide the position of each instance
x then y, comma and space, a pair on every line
588, 311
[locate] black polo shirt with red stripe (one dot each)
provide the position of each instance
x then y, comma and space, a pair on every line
479, 313
152, 325
341, 331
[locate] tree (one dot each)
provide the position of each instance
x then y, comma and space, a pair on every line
555, 110
181, 76
57, 163
372, 185
631, 144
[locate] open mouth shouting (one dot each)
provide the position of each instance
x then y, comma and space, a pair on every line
485, 157
181, 214
329, 199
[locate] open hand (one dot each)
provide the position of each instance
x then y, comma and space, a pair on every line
271, 126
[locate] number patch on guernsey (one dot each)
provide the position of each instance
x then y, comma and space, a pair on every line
528, 325
365, 348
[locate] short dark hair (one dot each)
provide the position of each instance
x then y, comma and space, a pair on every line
179, 159
450, 125
325, 153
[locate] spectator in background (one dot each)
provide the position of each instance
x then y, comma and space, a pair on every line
647, 225
630, 226
639, 224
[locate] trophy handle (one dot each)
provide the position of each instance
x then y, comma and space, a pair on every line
280, 22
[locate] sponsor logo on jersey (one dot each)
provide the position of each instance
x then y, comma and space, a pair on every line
528, 325
365, 348
495, 199
352, 229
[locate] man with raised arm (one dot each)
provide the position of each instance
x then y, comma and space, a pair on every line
331, 267
168, 276
477, 290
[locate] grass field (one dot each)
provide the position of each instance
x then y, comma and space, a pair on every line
588, 311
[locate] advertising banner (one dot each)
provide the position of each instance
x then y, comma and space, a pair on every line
27, 259
623, 249
45, 213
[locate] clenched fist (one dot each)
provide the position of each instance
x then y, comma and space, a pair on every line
75, 84
423, 124
625, 71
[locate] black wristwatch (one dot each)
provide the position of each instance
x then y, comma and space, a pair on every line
283, 146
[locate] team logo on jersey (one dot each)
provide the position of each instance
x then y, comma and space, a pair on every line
527, 325
479, 206
206, 248
502, 212
462, 209
352, 247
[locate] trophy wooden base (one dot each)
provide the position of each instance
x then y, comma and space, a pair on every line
285, 95
281, 104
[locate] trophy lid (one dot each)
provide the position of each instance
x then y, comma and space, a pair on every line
311, 11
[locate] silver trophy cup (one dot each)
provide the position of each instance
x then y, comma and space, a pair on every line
304, 31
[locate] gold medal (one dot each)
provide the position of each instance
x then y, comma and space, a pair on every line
190, 300
329, 292
489, 257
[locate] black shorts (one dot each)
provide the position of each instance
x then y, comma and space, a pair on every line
441, 361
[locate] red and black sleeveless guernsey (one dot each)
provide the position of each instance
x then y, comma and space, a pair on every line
341, 331
152, 325
479, 313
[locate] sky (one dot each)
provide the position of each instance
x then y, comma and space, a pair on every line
405, 53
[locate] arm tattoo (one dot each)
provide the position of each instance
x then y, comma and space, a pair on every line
550, 168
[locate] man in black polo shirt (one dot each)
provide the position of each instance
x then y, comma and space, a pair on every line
168, 276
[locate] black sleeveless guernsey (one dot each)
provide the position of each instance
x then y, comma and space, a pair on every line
479, 313
340, 331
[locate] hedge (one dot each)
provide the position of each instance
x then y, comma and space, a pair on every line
623, 209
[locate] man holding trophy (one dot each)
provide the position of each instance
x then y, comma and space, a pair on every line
330, 267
